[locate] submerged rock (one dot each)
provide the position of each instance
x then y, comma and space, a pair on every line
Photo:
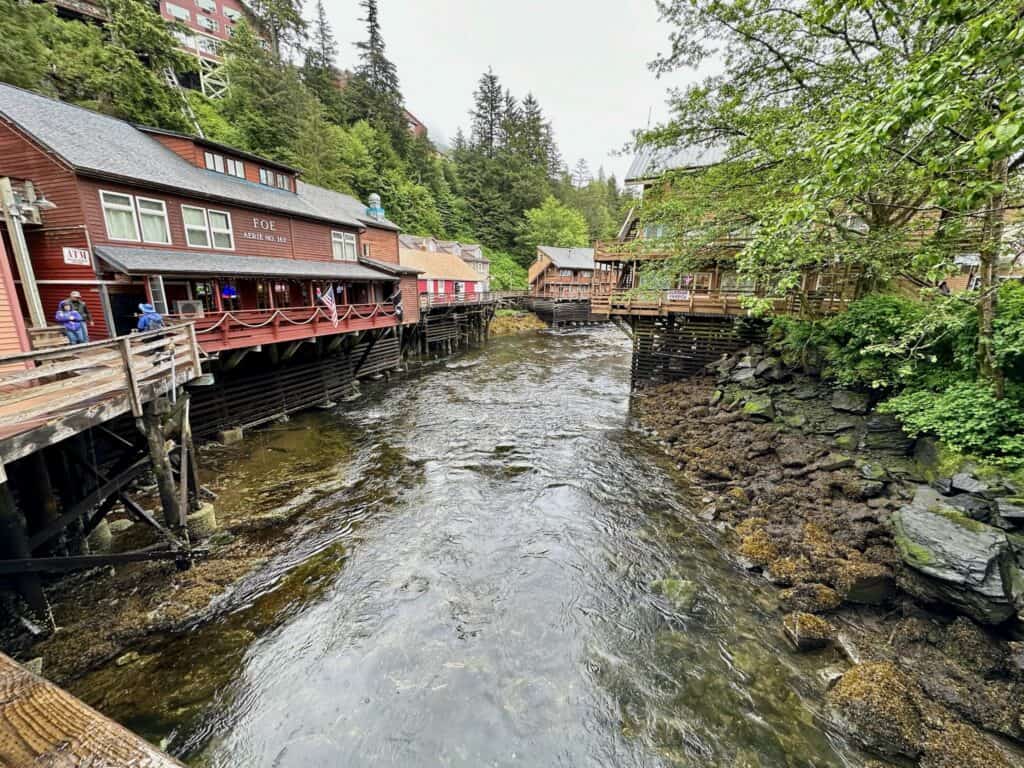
806, 631
878, 707
968, 564
682, 593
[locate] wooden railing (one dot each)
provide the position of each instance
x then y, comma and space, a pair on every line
67, 389
428, 300
239, 328
720, 302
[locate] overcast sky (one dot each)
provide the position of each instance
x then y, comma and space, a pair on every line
585, 60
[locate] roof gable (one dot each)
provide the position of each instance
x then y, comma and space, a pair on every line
569, 258
438, 265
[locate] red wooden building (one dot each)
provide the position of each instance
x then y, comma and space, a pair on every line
204, 231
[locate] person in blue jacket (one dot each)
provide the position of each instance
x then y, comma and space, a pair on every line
150, 320
71, 322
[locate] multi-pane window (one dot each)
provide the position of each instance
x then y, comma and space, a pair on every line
366, 250
266, 177
182, 14
220, 230
283, 182
343, 246
221, 164
207, 23
197, 232
153, 221
207, 5
208, 229
119, 215
232, 14
272, 179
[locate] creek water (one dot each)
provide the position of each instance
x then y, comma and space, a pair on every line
469, 584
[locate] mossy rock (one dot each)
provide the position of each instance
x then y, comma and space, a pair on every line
789, 571
806, 631
863, 582
810, 598
760, 408
796, 421
739, 496
758, 548
878, 706
956, 745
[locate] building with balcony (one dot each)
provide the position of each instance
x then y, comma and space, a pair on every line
233, 242
567, 274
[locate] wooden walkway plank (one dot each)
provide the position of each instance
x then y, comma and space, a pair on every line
43, 725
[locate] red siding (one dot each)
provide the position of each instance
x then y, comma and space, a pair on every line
182, 147
256, 233
63, 226
13, 338
383, 244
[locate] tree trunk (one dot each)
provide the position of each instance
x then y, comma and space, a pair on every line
991, 245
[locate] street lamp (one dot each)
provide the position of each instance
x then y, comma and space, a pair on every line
18, 205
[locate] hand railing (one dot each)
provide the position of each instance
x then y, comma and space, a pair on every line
51, 383
255, 319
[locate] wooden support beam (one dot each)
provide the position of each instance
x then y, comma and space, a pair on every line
150, 426
14, 544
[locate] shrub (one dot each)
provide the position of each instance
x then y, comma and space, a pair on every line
967, 417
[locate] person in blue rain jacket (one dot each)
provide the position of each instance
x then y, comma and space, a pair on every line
150, 319
71, 322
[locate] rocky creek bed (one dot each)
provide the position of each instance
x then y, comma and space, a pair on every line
913, 574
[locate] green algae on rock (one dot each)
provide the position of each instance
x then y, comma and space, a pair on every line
877, 706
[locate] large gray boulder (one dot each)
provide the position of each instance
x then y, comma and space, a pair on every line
968, 564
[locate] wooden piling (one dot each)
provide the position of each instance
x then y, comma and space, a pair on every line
14, 545
150, 426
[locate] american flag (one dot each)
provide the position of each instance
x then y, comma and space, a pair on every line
328, 299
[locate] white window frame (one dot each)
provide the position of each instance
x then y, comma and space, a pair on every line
214, 162
193, 227
266, 177
229, 231
130, 207
366, 250
283, 182
209, 6
347, 243
210, 25
231, 14
179, 13
166, 218
234, 167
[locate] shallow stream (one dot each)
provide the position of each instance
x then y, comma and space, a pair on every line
469, 584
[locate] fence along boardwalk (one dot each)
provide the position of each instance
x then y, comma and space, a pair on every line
43, 725
49, 395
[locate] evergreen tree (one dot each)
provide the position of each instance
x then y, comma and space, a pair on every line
511, 119
581, 175
281, 21
488, 109
318, 70
374, 94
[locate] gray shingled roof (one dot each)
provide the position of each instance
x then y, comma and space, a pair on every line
332, 203
569, 258
103, 145
650, 162
152, 261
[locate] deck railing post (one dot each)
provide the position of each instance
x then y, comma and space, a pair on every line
134, 398
194, 349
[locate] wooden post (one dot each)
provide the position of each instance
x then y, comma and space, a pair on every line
124, 344
149, 424
14, 545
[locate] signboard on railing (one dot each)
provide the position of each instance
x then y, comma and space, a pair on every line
677, 295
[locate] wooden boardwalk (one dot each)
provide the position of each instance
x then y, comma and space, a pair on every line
49, 395
43, 725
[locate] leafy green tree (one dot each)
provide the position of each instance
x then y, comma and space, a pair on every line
507, 274
23, 49
554, 224
119, 69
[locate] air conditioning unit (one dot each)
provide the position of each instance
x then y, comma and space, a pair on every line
190, 308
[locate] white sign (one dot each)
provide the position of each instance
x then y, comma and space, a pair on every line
678, 295
78, 256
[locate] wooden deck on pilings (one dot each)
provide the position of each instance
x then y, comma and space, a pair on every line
43, 725
49, 395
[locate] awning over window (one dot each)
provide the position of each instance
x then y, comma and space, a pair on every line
152, 261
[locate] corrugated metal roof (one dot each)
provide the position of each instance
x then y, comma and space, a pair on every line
438, 265
152, 261
650, 162
331, 203
569, 258
99, 144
